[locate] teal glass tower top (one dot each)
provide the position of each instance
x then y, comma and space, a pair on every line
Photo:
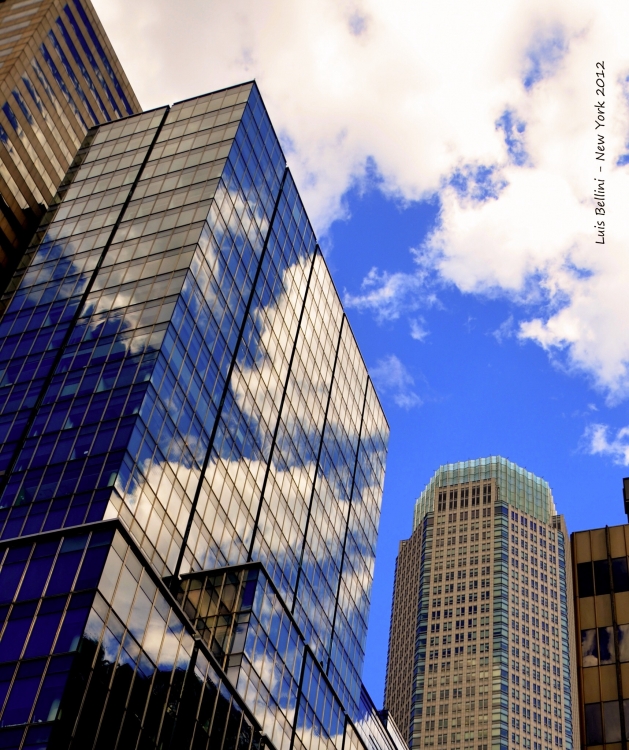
516, 486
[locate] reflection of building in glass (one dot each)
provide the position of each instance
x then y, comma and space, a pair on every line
59, 76
190, 429
481, 627
602, 621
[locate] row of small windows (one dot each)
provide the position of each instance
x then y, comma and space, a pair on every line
456, 692
463, 515
461, 638
438, 577
530, 524
525, 524
464, 499
448, 613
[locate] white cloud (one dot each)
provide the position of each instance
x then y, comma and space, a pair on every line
389, 295
505, 330
489, 106
597, 442
419, 331
392, 378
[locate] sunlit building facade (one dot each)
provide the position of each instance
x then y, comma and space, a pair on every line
193, 454
601, 574
481, 649
59, 76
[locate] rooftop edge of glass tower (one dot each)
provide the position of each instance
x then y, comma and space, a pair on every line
518, 487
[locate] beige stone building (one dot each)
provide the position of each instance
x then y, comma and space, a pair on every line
481, 640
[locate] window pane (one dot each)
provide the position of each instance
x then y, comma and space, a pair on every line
15, 632
50, 697
611, 713
35, 578
64, 572
9, 578
623, 642
589, 648
586, 582
620, 574
601, 576
22, 697
606, 645
42, 635
593, 725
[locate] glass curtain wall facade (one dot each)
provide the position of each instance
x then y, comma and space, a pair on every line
487, 659
59, 76
178, 363
600, 558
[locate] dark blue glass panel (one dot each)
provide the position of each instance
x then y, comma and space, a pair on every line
38, 571
10, 576
11, 739
51, 692
72, 626
16, 631
37, 738
45, 628
22, 696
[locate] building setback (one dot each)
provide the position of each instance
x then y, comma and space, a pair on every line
481, 639
602, 626
59, 76
193, 454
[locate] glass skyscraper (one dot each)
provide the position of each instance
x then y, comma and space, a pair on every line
59, 76
192, 454
482, 649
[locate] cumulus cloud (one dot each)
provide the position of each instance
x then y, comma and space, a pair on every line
598, 442
487, 106
392, 378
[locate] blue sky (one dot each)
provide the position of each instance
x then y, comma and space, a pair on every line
481, 394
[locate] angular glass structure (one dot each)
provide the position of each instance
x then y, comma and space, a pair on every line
59, 76
178, 373
481, 648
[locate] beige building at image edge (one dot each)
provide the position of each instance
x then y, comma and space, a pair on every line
600, 559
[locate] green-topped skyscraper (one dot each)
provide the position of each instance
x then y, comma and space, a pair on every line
481, 645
